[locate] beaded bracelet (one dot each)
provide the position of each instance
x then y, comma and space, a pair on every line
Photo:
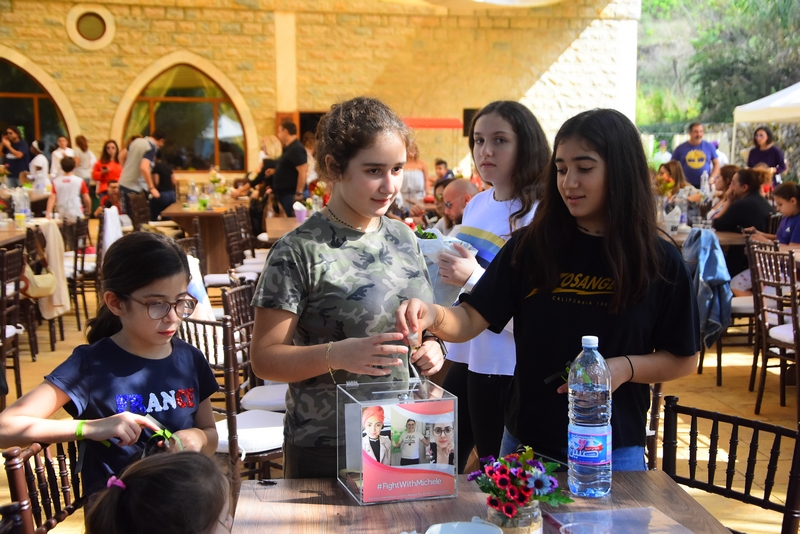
438, 324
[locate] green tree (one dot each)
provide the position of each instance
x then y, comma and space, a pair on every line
751, 52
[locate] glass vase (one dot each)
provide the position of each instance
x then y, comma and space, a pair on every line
528, 519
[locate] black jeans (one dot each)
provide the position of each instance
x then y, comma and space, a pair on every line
157, 205
286, 200
481, 405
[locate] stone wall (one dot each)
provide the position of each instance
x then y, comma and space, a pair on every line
423, 61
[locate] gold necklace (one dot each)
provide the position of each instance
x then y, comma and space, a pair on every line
337, 219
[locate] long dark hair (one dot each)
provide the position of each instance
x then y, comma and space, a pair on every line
132, 262
181, 493
106, 157
533, 152
631, 233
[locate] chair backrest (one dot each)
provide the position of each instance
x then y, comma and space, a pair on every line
236, 303
752, 435
246, 227
10, 273
11, 522
78, 234
47, 490
651, 442
139, 211
201, 255
777, 280
705, 207
750, 247
773, 220
233, 239
30, 245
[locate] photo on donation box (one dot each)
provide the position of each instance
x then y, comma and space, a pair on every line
408, 450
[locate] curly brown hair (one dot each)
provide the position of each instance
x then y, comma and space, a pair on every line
352, 126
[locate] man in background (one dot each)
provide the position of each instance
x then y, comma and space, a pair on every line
136, 174
16, 155
456, 196
289, 180
697, 156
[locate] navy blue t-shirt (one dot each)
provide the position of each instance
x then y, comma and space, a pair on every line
17, 165
102, 380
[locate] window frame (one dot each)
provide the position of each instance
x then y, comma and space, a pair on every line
36, 97
215, 100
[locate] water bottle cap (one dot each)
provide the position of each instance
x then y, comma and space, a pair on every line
589, 341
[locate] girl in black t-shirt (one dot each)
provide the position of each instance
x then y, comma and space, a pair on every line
590, 263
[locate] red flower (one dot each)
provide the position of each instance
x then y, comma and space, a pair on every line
502, 481
510, 509
525, 490
494, 502
501, 470
489, 470
522, 499
512, 492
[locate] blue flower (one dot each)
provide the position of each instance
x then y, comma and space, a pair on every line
540, 483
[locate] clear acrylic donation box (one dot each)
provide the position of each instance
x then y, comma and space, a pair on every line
397, 441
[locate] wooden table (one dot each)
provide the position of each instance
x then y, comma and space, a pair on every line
725, 238
211, 229
321, 505
10, 236
277, 226
38, 201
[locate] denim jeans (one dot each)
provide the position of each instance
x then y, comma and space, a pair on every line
622, 458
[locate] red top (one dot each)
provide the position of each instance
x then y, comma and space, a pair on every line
114, 170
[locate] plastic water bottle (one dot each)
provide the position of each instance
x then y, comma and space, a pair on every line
683, 203
704, 184
192, 195
589, 434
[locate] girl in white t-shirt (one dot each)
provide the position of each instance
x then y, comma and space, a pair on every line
510, 150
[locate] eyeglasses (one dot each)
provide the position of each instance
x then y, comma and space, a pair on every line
439, 197
158, 309
438, 431
448, 205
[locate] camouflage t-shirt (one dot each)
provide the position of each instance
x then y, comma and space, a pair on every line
343, 284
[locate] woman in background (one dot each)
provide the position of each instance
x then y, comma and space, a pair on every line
764, 151
107, 168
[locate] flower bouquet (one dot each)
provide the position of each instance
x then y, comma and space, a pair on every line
663, 185
516, 484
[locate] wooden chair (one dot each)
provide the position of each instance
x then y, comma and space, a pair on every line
778, 316
705, 207
256, 395
11, 522
252, 254
251, 439
750, 435
233, 244
10, 271
773, 221
80, 273
750, 247
651, 442
139, 211
48, 490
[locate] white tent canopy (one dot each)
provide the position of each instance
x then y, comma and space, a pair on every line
783, 106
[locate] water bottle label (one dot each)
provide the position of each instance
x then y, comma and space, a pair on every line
589, 445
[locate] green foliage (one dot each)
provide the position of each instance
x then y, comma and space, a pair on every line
659, 105
751, 52
661, 9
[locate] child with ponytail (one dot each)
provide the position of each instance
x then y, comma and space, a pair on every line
133, 367
177, 493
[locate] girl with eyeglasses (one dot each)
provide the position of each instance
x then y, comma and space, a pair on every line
442, 446
131, 368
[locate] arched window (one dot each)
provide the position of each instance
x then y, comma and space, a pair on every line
201, 126
26, 104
